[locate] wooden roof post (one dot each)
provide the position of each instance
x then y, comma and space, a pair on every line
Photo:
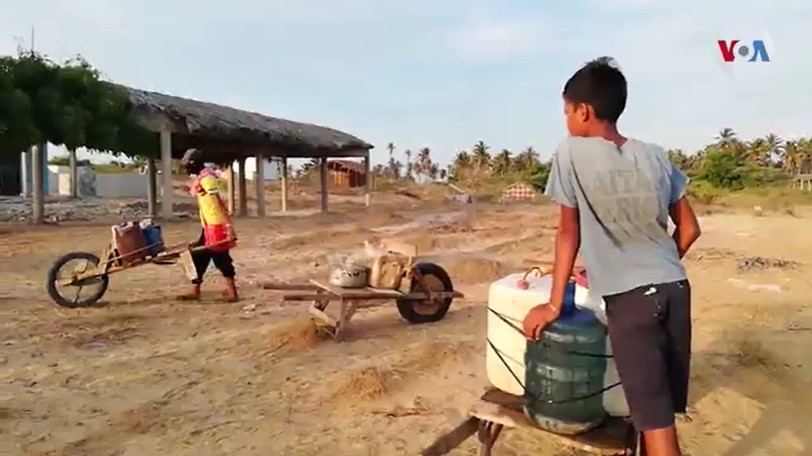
324, 186
284, 183
167, 190
232, 192
259, 183
72, 171
38, 167
243, 211
367, 181
152, 188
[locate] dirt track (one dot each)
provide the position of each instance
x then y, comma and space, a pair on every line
144, 375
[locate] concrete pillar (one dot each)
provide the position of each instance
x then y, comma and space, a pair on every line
152, 188
38, 154
259, 184
167, 192
325, 189
25, 173
284, 182
232, 191
243, 189
367, 181
72, 171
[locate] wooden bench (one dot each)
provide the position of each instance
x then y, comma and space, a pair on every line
497, 410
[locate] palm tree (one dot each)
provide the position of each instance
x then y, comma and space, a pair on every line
526, 159
434, 171
776, 146
725, 137
679, 158
501, 163
793, 156
757, 152
409, 164
481, 157
424, 161
462, 161
393, 170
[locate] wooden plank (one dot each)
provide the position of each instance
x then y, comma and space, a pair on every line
613, 438
348, 309
357, 293
287, 286
434, 294
447, 442
323, 317
299, 297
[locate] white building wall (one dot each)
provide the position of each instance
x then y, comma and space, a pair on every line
271, 169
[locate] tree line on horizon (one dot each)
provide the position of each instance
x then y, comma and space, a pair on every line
728, 162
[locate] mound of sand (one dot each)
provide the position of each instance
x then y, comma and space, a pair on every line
469, 269
430, 356
298, 334
366, 383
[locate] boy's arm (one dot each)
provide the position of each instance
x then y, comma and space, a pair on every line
687, 226
682, 214
561, 189
567, 244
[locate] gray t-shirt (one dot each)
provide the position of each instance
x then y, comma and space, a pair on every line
622, 195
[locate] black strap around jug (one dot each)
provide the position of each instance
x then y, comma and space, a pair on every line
570, 352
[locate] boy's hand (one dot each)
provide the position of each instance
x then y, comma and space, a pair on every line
538, 318
232, 235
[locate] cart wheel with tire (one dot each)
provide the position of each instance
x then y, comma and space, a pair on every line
428, 279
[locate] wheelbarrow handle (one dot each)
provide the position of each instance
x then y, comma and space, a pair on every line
198, 248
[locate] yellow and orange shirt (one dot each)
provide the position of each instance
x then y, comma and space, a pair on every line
207, 190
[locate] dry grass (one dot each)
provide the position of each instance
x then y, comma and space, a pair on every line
366, 383
373, 382
750, 264
299, 334
432, 356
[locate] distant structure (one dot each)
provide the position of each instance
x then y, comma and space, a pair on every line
347, 173
518, 192
802, 182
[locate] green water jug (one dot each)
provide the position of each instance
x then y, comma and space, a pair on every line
564, 377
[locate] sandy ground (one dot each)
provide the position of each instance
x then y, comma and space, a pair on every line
144, 375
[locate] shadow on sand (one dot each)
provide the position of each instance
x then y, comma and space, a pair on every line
766, 364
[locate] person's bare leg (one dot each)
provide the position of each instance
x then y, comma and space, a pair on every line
661, 442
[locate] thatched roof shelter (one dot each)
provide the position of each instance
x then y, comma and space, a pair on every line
227, 133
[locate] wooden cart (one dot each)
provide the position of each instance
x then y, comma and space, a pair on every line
419, 305
93, 273
497, 410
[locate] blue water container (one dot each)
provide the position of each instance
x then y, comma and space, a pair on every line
154, 238
568, 308
564, 374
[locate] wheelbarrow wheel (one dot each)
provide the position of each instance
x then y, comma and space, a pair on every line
425, 311
70, 295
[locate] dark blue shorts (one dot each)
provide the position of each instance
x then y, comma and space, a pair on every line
650, 328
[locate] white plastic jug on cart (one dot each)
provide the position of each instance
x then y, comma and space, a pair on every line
512, 303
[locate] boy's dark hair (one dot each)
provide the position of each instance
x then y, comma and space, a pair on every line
600, 84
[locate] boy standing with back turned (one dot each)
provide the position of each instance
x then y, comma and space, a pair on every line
615, 196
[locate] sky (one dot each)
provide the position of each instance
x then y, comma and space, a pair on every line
445, 74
